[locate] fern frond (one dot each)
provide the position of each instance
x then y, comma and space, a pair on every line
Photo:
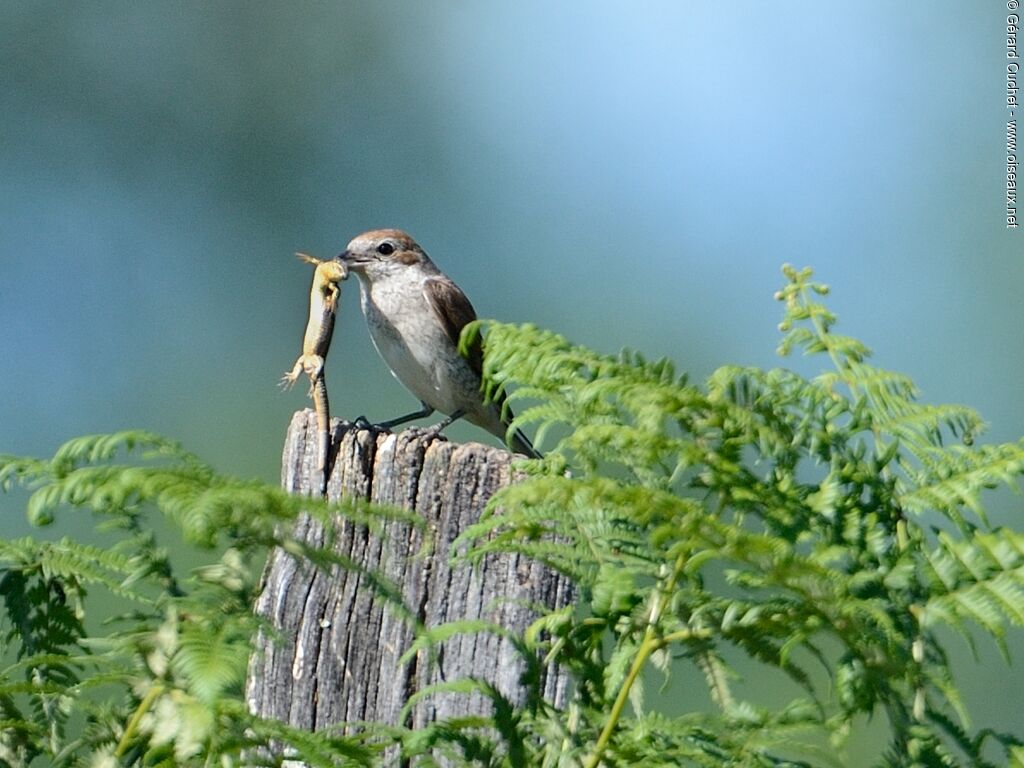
980, 580
67, 559
213, 658
953, 478
761, 515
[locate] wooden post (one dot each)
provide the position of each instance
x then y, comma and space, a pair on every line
334, 654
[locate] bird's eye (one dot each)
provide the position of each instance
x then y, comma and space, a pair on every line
385, 249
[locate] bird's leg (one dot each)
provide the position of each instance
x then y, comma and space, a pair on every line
438, 428
420, 414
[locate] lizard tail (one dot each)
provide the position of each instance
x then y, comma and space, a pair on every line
323, 425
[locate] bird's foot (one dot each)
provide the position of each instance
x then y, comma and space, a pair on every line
425, 411
426, 434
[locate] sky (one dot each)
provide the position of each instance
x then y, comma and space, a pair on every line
629, 175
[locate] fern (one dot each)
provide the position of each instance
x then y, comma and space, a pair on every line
169, 670
826, 529
782, 516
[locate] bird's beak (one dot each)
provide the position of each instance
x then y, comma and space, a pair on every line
351, 261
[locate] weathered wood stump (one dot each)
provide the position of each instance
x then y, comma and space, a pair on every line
334, 654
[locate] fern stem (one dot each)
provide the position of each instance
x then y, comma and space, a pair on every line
682, 634
842, 366
133, 724
823, 336
649, 645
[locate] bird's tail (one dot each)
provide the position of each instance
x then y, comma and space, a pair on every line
520, 443
497, 419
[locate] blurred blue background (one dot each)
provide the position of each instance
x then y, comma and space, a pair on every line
627, 175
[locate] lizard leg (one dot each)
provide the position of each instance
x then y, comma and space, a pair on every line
313, 365
289, 378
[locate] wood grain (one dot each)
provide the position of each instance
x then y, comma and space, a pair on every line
332, 655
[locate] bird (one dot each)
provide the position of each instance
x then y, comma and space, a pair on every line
415, 314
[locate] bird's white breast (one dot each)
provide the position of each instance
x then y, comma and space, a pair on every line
409, 336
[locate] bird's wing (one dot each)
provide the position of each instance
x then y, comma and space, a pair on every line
455, 312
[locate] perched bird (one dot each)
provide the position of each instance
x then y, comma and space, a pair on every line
415, 314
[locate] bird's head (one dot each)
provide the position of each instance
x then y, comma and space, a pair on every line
382, 252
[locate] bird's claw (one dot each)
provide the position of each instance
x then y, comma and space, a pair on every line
427, 434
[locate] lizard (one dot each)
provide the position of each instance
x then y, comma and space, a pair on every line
323, 307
